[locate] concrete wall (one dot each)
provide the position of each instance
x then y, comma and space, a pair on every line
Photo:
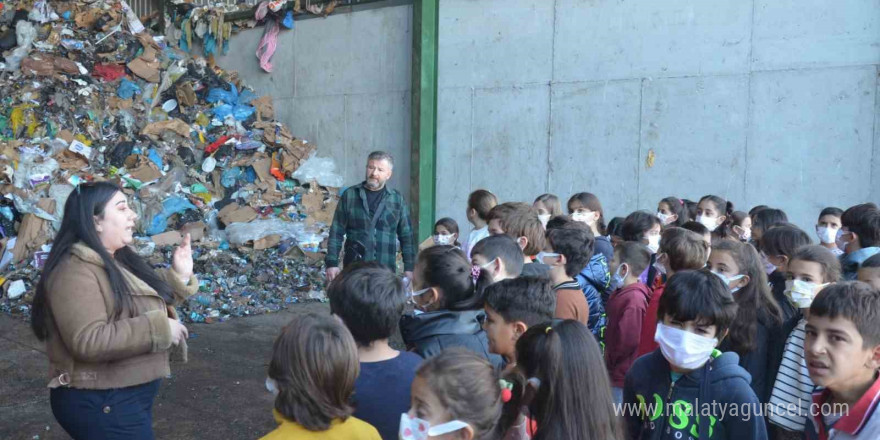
761, 101
341, 82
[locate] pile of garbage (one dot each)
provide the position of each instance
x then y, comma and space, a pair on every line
91, 94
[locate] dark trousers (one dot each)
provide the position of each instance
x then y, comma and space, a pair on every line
122, 413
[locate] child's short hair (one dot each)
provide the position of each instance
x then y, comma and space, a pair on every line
551, 202
766, 218
575, 241
855, 301
784, 240
637, 224
872, 262
467, 386
520, 220
315, 365
525, 299
370, 299
832, 211
504, 248
482, 201
697, 227
864, 221
447, 268
821, 256
635, 254
684, 249
698, 295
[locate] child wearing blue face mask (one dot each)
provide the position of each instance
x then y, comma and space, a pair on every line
687, 376
758, 318
626, 312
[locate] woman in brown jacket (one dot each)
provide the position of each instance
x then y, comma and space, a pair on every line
107, 318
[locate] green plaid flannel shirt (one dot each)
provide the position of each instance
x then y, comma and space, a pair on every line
352, 222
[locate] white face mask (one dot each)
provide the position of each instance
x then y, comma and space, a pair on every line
838, 238
710, 223
542, 255
801, 293
443, 239
665, 219
412, 428
584, 217
745, 235
727, 281
683, 349
544, 219
826, 235
653, 243
272, 386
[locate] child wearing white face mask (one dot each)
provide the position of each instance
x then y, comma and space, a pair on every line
548, 206
716, 214
457, 394
826, 229
446, 232
778, 245
687, 376
758, 318
810, 269
585, 208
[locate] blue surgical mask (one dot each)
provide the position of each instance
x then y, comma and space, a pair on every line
619, 279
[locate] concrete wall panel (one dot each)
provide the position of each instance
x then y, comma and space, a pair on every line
491, 43
455, 154
613, 39
320, 120
377, 59
595, 143
243, 59
815, 33
510, 141
810, 141
378, 122
696, 130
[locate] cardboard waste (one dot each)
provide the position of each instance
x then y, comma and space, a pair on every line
92, 94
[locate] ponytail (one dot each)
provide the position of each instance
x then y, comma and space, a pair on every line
725, 208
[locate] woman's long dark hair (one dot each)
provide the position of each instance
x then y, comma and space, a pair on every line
755, 300
86, 202
574, 397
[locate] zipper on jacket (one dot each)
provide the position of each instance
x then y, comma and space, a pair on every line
664, 414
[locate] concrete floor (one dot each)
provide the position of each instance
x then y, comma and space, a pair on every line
220, 393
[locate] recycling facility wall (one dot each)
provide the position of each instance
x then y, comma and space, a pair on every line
761, 101
341, 82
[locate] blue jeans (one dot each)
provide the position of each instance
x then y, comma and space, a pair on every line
121, 413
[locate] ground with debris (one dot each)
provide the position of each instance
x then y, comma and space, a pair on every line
220, 393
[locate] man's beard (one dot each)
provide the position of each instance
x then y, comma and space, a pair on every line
374, 185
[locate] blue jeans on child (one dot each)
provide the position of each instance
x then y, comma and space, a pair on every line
121, 413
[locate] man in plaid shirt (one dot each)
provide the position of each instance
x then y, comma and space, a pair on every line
372, 218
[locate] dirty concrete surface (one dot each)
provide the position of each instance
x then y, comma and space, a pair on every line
220, 393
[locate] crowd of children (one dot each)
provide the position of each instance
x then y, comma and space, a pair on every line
694, 322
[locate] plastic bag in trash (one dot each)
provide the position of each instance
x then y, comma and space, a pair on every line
127, 89
170, 206
241, 233
322, 169
25, 33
